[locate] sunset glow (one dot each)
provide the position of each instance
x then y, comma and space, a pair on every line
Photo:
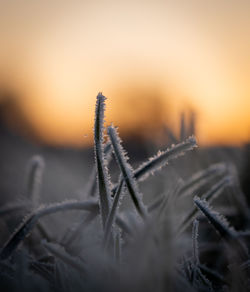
153, 59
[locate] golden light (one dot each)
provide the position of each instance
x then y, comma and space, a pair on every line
143, 55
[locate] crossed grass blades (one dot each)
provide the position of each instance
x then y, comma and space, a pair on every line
121, 249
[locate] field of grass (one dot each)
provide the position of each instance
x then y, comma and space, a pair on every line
131, 228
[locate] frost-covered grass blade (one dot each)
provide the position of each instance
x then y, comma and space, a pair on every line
126, 171
112, 214
222, 226
92, 183
30, 221
195, 242
161, 159
211, 194
101, 163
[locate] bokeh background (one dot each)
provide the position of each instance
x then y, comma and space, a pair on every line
152, 59
160, 63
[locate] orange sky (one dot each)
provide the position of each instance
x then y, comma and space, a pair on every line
57, 55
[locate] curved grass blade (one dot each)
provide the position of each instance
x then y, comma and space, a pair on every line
221, 225
126, 171
161, 159
200, 178
101, 163
214, 192
30, 221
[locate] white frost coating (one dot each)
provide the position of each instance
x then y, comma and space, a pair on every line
162, 158
211, 194
127, 171
219, 222
103, 179
221, 225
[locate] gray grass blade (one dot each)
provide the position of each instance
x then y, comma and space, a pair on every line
171, 138
195, 242
112, 214
212, 274
61, 275
30, 221
192, 123
201, 178
214, 192
126, 171
168, 200
156, 203
45, 270
162, 158
103, 180
217, 220
222, 226
36, 169
239, 198
43, 231
117, 246
182, 127
58, 251
72, 234
92, 184
120, 221
33, 188
91, 192
196, 270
